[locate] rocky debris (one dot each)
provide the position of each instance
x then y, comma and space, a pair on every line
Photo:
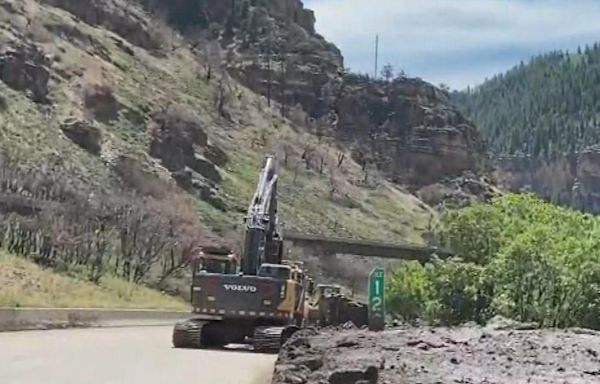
101, 103
458, 192
354, 376
468, 354
500, 323
26, 68
84, 134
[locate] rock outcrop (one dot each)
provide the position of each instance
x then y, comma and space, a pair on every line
116, 16
458, 192
570, 180
408, 129
26, 68
180, 142
84, 134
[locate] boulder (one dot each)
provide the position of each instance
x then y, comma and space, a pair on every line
204, 167
354, 376
26, 68
216, 155
175, 131
84, 134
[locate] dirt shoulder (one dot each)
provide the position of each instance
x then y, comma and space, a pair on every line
426, 355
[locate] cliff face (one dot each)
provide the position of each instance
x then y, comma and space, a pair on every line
408, 129
572, 181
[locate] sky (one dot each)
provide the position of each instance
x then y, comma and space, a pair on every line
456, 42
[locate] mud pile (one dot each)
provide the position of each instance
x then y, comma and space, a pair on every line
467, 355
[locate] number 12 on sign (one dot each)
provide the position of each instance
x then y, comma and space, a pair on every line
377, 300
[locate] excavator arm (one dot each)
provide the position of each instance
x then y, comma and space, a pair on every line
263, 240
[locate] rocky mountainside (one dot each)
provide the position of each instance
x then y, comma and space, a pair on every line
569, 180
153, 97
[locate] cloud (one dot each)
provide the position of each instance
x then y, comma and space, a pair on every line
459, 42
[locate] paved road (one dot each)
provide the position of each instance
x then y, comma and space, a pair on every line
121, 356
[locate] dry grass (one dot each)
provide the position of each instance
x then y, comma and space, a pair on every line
25, 284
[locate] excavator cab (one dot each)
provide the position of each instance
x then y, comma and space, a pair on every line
211, 262
275, 271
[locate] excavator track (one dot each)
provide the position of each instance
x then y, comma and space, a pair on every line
271, 339
188, 334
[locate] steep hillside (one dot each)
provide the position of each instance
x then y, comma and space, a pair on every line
541, 118
132, 132
546, 107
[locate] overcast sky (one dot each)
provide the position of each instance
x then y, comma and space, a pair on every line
458, 42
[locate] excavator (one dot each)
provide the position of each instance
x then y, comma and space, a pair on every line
258, 297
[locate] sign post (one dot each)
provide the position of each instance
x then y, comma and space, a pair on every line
377, 300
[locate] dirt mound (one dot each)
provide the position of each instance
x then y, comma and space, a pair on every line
441, 355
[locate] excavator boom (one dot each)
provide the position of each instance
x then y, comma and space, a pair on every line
263, 243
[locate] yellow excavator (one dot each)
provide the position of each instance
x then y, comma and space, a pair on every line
257, 298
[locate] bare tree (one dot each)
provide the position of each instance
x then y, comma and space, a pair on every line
340, 158
212, 59
333, 183
387, 72
296, 171
307, 155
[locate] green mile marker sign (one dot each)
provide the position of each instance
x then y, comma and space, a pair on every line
377, 300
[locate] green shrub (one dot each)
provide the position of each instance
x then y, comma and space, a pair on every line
520, 257
407, 292
459, 293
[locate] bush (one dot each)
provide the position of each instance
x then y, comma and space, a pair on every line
520, 257
445, 292
459, 292
407, 292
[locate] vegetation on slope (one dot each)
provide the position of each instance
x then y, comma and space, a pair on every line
520, 257
26, 284
83, 186
546, 107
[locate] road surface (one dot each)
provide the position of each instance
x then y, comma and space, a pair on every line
122, 356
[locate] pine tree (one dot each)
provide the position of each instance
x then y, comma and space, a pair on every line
547, 106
